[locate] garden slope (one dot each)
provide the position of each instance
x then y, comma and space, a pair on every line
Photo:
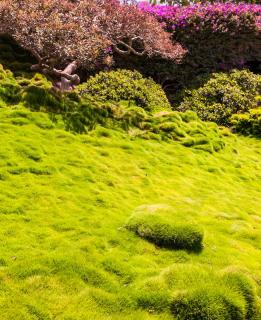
65, 199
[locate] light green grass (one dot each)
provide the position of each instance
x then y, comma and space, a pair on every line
64, 200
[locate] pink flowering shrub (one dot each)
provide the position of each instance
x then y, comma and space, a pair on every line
218, 36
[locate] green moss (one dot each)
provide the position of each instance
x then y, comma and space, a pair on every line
83, 114
197, 292
37, 94
163, 227
208, 302
245, 287
65, 197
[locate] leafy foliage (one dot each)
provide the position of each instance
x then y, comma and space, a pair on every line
72, 35
9, 89
248, 123
186, 2
223, 95
218, 37
126, 85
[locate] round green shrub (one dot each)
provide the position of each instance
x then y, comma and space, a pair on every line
165, 229
126, 85
248, 123
222, 95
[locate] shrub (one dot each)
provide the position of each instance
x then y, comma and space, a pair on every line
248, 123
67, 36
218, 37
127, 85
82, 114
15, 58
165, 229
9, 88
223, 95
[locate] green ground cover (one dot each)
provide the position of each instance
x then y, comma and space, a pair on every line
64, 203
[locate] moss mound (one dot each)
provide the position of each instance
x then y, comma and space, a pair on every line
222, 95
185, 127
228, 296
164, 228
208, 303
33, 92
195, 292
126, 85
82, 114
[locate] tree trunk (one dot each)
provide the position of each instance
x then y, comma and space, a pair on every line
68, 84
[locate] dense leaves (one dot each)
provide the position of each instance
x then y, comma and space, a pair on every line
223, 95
126, 85
68, 35
248, 123
218, 37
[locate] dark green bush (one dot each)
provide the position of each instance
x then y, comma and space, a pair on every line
126, 85
248, 123
9, 89
165, 229
14, 58
223, 95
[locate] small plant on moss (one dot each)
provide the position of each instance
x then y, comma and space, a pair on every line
223, 95
165, 229
126, 85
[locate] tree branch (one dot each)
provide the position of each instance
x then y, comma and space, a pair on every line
129, 47
68, 79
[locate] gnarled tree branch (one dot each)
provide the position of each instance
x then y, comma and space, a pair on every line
129, 47
68, 78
